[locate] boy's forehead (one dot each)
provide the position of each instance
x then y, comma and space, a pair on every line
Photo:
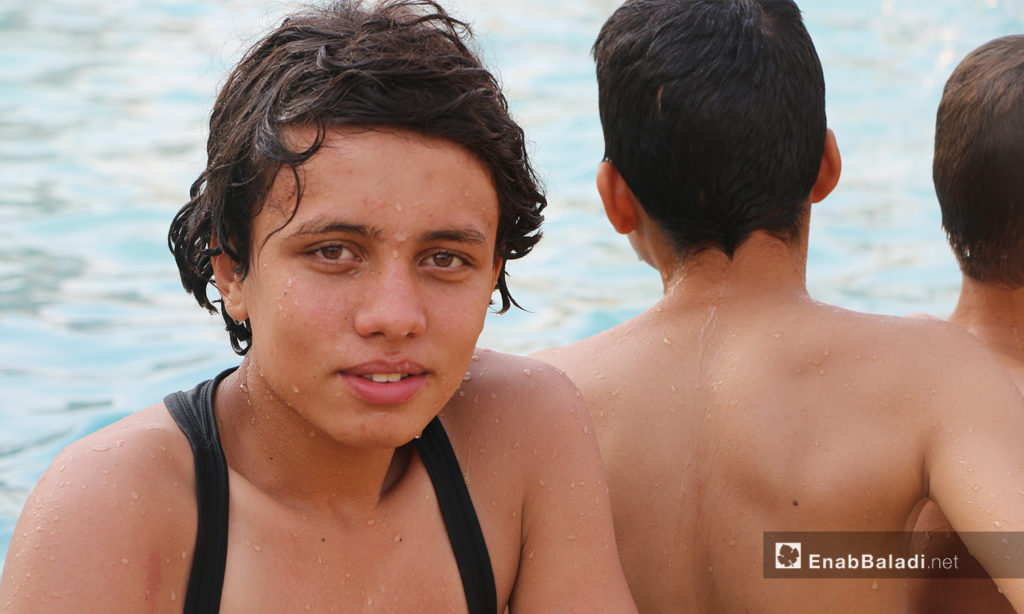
453, 172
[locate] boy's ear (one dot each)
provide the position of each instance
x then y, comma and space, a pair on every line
620, 205
831, 166
229, 284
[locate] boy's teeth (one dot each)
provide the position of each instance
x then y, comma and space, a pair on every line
384, 378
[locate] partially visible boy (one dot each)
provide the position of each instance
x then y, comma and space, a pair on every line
737, 404
979, 179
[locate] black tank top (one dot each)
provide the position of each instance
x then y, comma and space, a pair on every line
193, 411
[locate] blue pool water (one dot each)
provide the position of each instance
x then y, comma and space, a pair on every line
102, 113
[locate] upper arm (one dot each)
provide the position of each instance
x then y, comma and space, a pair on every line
568, 561
102, 531
975, 465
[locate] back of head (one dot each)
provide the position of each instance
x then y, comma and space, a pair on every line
979, 162
714, 113
401, 64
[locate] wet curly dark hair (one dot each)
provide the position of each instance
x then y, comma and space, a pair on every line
402, 64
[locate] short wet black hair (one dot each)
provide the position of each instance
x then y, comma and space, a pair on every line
978, 167
399, 63
714, 114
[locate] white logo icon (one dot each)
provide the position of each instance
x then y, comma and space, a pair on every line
787, 555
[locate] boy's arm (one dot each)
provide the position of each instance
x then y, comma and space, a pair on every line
95, 534
975, 465
568, 561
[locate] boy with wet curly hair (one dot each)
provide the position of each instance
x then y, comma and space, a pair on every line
365, 188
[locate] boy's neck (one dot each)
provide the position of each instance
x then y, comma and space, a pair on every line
992, 313
762, 266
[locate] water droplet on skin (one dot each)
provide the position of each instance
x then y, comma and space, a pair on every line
135, 495
124, 561
542, 482
571, 536
777, 335
874, 585
308, 607
976, 488
371, 522
667, 341
184, 554
257, 547
527, 372
462, 393
101, 449
398, 538
468, 376
476, 358
821, 372
174, 596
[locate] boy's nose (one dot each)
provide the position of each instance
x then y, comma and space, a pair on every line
391, 306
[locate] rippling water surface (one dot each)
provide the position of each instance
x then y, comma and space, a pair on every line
102, 114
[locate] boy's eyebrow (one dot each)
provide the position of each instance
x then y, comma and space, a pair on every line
460, 235
318, 227
463, 234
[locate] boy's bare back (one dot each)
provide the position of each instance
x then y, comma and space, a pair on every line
738, 405
728, 410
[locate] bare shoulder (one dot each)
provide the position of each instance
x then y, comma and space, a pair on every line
937, 346
518, 393
110, 515
517, 411
543, 460
583, 359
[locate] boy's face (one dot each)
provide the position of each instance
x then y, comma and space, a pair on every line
366, 306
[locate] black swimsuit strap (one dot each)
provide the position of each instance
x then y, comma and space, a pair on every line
460, 519
193, 411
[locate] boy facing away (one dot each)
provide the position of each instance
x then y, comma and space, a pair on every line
978, 170
364, 188
738, 404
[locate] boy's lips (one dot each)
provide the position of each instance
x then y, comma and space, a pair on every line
385, 382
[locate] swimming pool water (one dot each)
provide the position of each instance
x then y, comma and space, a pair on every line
102, 113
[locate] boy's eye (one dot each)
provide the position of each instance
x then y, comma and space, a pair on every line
446, 260
332, 252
